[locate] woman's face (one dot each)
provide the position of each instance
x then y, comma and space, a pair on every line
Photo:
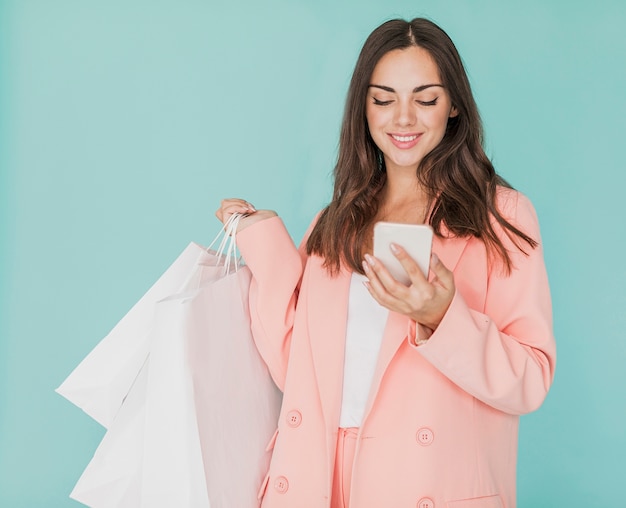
407, 107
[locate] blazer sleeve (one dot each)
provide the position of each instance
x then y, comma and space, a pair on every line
277, 266
506, 355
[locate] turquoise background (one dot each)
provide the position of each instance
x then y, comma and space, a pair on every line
123, 123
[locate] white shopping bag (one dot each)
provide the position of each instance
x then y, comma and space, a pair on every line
113, 477
192, 429
150, 456
100, 382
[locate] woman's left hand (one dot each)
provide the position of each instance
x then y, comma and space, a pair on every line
425, 301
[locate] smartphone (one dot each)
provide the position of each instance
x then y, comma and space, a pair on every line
416, 239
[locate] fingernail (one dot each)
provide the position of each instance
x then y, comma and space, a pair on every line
435, 258
252, 208
369, 259
366, 267
394, 248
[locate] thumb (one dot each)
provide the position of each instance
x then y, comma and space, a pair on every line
440, 271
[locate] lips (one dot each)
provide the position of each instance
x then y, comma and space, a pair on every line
404, 141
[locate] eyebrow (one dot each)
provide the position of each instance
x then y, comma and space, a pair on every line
415, 90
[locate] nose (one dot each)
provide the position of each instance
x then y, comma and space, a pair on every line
405, 113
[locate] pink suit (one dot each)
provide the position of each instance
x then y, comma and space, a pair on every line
441, 423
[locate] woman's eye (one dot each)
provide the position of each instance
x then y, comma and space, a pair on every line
428, 103
381, 103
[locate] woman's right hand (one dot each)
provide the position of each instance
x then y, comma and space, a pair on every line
251, 215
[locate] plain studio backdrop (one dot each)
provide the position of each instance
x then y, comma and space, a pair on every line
123, 123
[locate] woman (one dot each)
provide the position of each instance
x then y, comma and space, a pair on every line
402, 396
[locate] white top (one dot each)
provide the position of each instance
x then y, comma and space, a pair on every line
364, 334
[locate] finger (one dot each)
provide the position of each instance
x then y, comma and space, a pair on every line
224, 213
440, 272
372, 292
373, 284
386, 286
237, 204
237, 201
409, 264
377, 290
233, 205
394, 299
237, 208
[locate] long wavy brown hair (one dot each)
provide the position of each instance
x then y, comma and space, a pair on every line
457, 175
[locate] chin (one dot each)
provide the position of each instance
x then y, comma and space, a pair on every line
407, 165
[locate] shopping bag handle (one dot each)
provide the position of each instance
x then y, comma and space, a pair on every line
227, 247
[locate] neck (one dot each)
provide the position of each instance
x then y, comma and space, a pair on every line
404, 199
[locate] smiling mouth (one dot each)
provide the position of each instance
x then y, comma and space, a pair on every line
404, 139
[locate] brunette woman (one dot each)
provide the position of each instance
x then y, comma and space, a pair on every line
402, 396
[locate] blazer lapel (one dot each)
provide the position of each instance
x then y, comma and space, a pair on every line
449, 249
327, 316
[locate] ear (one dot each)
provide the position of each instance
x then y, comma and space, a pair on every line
453, 112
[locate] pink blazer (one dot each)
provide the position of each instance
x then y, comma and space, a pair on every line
441, 424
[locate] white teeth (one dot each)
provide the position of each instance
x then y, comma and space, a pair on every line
403, 139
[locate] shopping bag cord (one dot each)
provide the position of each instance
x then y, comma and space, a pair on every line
227, 248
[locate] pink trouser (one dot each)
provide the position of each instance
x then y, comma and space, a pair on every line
346, 444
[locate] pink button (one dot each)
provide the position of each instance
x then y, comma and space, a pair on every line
281, 484
424, 436
294, 418
426, 502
